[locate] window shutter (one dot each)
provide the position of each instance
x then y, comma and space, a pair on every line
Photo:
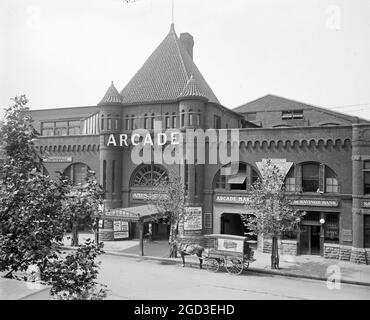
298, 177
322, 178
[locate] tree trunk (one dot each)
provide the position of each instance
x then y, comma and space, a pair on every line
274, 253
74, 242
173, 247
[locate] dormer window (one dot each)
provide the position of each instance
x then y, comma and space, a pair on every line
292, 114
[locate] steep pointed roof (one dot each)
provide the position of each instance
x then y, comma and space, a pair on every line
192, 90
165, 74
112, 96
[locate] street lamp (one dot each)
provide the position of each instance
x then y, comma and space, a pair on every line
322, 220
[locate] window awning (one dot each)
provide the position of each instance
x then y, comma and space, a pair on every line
238, 178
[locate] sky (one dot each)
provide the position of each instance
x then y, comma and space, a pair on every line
66, 53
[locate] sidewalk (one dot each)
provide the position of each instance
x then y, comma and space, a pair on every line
305, 266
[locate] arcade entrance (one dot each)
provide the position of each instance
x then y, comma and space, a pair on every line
231, 223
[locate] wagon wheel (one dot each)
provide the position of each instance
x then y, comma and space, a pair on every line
212, 265
234, 265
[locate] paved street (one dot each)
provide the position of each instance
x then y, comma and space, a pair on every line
131, 278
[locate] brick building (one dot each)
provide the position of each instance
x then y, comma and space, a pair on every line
328, 154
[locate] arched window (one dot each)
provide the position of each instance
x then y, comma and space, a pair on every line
167, 121
133, 122
148, 175
290, 181
182, 118
174, 120
191, 116
310, 177
127, 123
198, 118
77, 173
242, 180
146, 121
152, 121
109, 122
331, 181
102, 122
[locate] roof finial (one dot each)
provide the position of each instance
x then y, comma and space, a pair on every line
173, 8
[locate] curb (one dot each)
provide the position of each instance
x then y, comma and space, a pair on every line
256, 270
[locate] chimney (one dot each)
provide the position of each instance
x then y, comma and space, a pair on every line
188, 42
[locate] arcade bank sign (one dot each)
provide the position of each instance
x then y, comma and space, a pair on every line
295, 202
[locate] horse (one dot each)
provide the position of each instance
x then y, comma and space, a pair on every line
190, 249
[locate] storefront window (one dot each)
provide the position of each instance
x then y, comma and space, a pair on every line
331, 228
310, 177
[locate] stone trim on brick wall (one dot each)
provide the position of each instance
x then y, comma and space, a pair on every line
358, 255
331, 251
367, 255
345, 253
286, 247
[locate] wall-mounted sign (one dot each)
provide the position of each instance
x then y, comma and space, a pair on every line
120, 229
230, 199
143, 195
365, 204
346, 235
193, 219
57, 159
315, 203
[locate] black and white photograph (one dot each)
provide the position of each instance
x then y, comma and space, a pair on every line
201, 153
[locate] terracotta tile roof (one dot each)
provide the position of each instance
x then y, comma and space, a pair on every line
192, 90
165, 74
112, 96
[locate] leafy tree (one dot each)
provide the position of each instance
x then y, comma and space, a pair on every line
34, 211
73, 277
31, 210
83, 202
271, 211
169, 198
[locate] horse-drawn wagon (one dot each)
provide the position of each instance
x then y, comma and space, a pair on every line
232, 252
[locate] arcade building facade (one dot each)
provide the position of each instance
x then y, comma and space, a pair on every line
328, 153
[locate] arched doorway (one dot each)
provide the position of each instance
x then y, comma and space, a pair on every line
77, 172
142, 181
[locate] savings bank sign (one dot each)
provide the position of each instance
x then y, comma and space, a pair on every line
174, 146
